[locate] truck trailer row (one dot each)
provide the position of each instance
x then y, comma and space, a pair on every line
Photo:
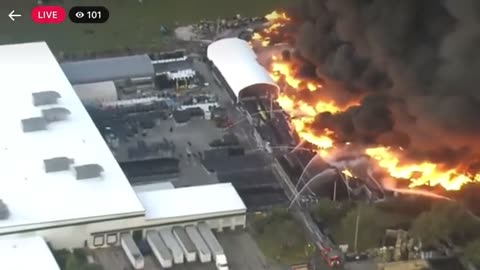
176, 245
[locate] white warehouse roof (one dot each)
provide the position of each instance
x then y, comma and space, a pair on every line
238, 65
26, 254
96, 93
187, 203
37, 199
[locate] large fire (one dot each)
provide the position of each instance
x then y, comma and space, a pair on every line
275, 20
302, 115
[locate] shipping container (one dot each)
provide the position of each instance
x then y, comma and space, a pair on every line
170, 241
214, 246
160, 249
204, 254
185, 243
132, 251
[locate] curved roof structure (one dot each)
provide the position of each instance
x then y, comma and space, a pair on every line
108, 69
96, 93
238, 65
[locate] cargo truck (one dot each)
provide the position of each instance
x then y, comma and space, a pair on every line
214, 246
177, 253
132, 251
185, 243
160, 249
204, 253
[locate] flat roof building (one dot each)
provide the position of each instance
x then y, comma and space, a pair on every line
14, 252
191, 203
109, 69
59, 180
35, 197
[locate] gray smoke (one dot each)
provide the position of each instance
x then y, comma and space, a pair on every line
415, 63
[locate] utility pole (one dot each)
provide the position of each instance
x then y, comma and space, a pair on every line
356, 230
271, 105
335, 190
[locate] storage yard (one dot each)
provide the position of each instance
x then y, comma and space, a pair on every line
176, 131
240, 248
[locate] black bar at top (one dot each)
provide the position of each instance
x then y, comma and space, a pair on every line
89, 14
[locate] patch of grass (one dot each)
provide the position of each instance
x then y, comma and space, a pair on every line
281, 238
131, 24
372, 224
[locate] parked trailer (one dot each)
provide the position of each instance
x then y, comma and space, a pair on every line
214, 246
132, 251
160, 249
185, 243
204, 254
169, 240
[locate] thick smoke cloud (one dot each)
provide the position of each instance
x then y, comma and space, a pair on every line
415, 62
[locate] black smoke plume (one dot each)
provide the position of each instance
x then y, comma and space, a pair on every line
416, 63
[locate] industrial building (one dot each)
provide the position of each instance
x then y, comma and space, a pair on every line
59, 182
96, 93
235, 65
109, 69
26, 253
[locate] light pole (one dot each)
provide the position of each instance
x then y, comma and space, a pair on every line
357, 223
335, 190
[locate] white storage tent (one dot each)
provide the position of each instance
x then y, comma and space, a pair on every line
238, 65
96, 93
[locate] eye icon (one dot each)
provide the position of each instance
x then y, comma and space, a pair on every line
79, 14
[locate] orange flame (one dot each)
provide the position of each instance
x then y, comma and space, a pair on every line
347, 173
276, 20
302, 115
277, 16
420, 174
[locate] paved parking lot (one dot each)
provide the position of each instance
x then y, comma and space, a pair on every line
115, 259
198, 132
243, 253
241, 250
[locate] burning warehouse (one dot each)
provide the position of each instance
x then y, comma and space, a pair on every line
393, 81
249, 83
236, 64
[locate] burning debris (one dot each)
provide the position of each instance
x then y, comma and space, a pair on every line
395, 79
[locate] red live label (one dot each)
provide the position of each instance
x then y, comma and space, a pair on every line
48, 14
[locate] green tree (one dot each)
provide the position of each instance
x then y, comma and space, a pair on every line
446, 221
74, 263
281, 237
78, 261
61, 257
372, 223
330, 212
92, 267
472, 252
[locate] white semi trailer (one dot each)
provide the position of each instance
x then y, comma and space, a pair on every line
169, 240
160, 249
131, 250
204, 253
214, 246
185, 243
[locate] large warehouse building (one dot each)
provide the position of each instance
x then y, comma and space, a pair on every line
236, 64
59, 180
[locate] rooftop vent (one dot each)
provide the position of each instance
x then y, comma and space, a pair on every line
45, 98
34, 124
57, 164
55, 114
4, 213
88, 171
